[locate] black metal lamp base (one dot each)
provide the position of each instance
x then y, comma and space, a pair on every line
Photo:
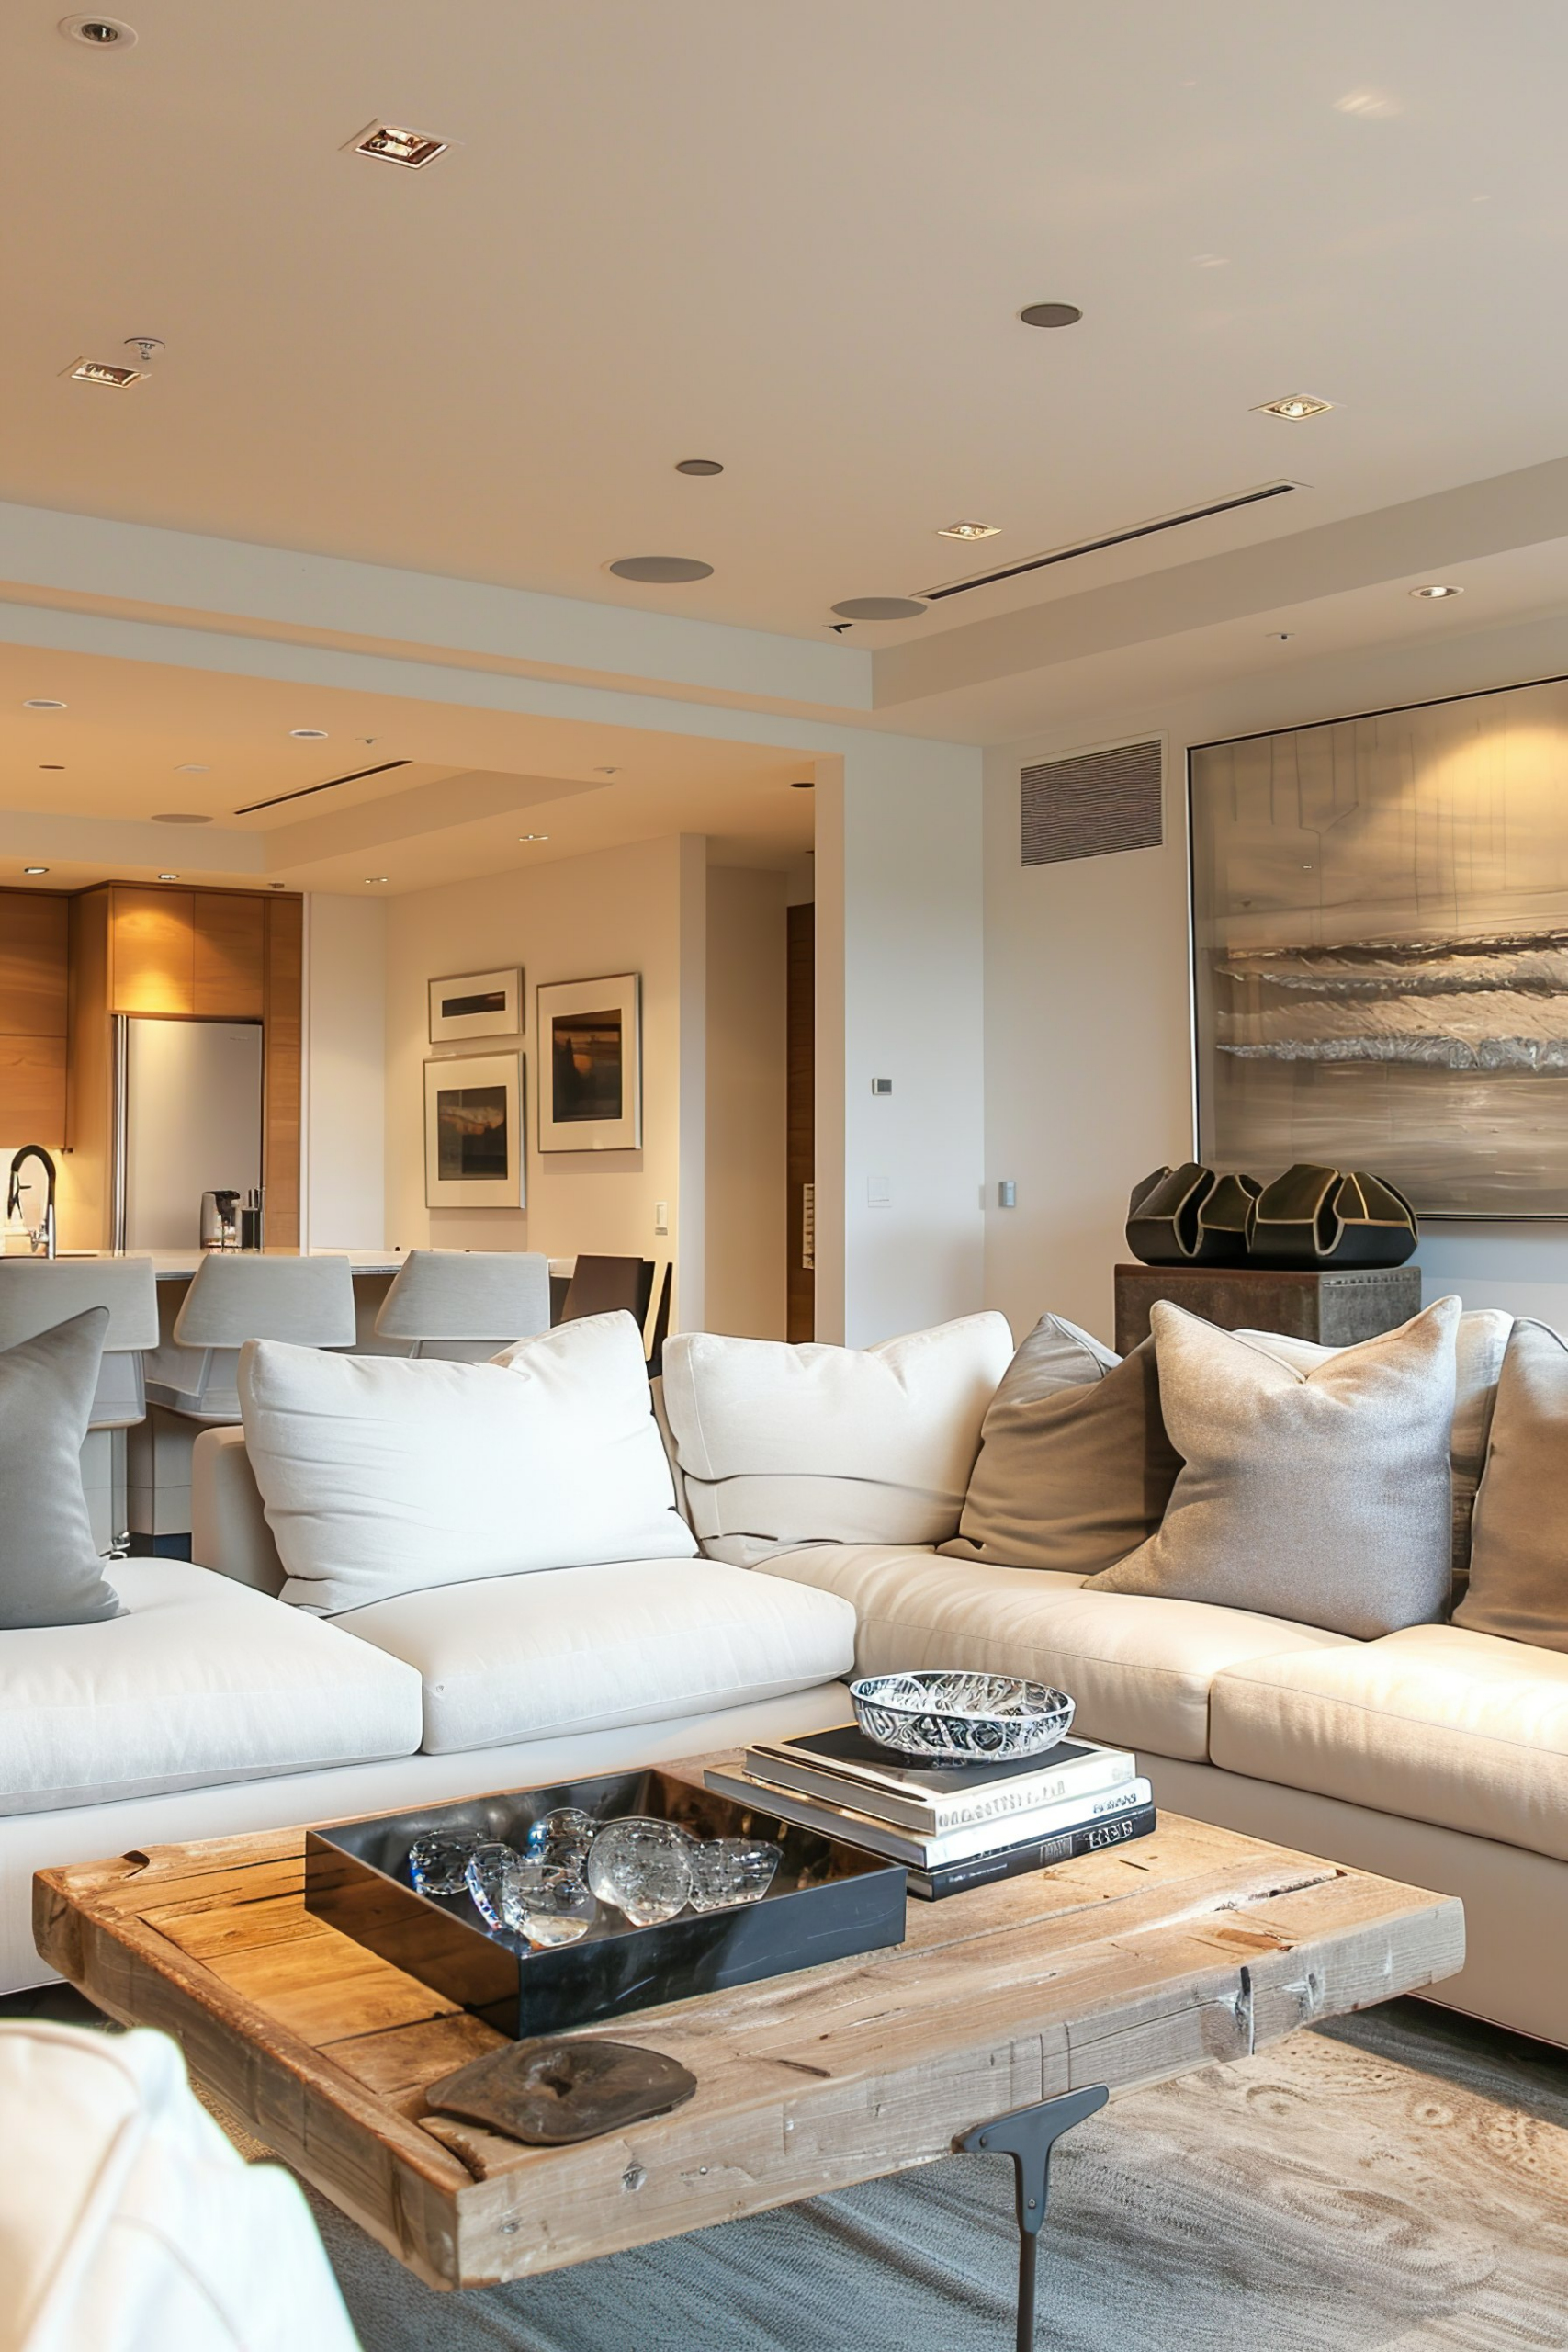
1028, 2136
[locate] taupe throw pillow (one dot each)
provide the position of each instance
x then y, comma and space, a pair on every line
1519, 1557
50, 1570
1075, 1467
1321, 1495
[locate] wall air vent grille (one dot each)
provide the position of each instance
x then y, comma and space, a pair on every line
1092, 804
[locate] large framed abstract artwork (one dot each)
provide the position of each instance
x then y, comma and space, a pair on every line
1380, 948
473, 1132
589, 1055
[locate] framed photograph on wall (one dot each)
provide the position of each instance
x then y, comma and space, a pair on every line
589, 1057
476, 1004
473, 1132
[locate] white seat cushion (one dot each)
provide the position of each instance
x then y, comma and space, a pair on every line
1434, 1723
584, 1649
198, 1680
1140, 1670
782, 1445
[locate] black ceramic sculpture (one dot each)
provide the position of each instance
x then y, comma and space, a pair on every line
550, 2093
1310, 1217
1189, 1216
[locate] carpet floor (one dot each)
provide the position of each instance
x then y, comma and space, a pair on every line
1399, 2180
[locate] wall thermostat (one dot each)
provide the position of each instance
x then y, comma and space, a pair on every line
882, 1086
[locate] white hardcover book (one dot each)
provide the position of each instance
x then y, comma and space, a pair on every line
931, 1801
926, 1853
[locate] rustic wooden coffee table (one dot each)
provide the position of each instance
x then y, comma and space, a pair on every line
1120, 1970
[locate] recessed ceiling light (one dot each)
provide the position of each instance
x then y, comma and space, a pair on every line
661, 570
42, 702
879, 608
1293, 407
192, 767
101, 371
35, 869
1051, 315
803, 783
100, 32
52, 767
375, 878
393, 142
606, 770
180, 817
277, 885
1433, 593
698, 465
533, 837
1367, 103
168, 877
309, 734
969, 531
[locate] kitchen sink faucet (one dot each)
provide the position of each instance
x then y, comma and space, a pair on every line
41, 1235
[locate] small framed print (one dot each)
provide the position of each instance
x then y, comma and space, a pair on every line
476, 1004
473, 1132
588, 1053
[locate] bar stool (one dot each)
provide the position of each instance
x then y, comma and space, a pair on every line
462, 1305
639, 1286
236, 1297
37, 1293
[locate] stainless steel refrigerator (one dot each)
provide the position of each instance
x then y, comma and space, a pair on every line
187, 1121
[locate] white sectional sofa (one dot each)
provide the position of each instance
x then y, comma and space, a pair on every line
1432, 1753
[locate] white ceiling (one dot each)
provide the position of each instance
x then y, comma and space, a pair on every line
793, 239
796, 239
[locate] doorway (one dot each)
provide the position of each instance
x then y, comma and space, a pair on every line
800, 1120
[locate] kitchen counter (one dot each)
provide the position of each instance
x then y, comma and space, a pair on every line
179, 1265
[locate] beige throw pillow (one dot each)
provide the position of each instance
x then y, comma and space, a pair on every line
1075, 1467
1519, 1561
1321, 1495
1479, 1346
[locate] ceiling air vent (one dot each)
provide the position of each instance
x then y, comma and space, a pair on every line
1092, 804
1118, 538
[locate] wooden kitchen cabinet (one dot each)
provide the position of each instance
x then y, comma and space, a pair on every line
151, 951
33, 1012
32, 1092
228, 937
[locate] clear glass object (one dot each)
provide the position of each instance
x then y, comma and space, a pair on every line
549, 1907
643, 1868
563, 1836
489, 1867
727, 1870
439, 1860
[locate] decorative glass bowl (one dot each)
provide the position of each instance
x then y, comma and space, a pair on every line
956, 1718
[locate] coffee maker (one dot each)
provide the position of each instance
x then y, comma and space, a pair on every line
220, 1220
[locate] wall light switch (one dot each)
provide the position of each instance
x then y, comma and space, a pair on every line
1006, 1193
661, 1216
878, 1193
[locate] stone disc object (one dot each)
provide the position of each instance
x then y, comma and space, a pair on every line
550, 2092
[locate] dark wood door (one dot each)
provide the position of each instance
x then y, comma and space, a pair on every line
801, 1114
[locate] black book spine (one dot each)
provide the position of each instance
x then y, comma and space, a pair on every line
1036, 1854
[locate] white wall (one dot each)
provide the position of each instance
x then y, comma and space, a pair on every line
900, 976
747, 1200
346, 1072
618, 910
1088, 1064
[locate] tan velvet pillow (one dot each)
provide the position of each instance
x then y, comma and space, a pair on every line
1075, 1467
1518, 1556
1321, 1495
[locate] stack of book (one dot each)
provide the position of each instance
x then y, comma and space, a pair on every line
953, 1825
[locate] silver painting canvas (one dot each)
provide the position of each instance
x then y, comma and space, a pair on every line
1381, 937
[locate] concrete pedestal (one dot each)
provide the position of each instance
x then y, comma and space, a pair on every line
1335, 1309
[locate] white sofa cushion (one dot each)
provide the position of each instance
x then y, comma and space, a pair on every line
534, 1658
1481, 1343
781, 1445
383, 1475
1434, 1723
133, 2222
198, 1680
1140, 1670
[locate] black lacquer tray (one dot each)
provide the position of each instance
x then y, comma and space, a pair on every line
826, 1902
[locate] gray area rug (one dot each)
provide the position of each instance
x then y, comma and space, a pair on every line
1399, 2181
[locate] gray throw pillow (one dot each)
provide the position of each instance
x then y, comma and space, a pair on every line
1519, 1558
1320, 1496
1075, 1468
50, 1570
